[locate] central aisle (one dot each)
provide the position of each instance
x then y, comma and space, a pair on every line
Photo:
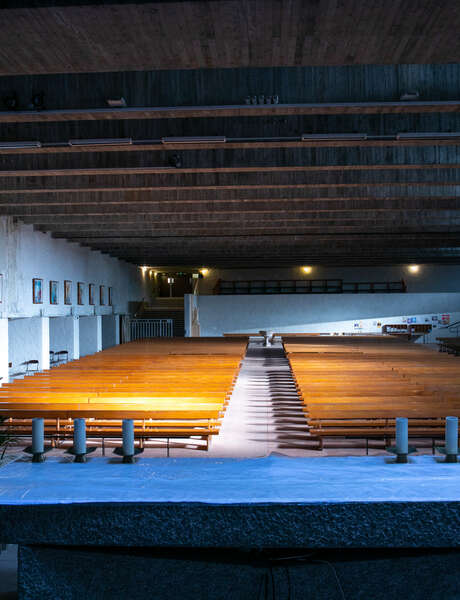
265, 412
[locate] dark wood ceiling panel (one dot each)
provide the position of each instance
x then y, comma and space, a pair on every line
228, 33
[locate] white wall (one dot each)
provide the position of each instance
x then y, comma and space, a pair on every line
24, 343
25, 254
430, 278
320, 312
61, 334
110, 331
88, 335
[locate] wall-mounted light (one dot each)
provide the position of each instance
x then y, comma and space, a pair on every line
204, 271
307, 270
414, 268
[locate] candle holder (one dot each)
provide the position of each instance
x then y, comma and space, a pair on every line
400, 457
38, 457
128, 458
450, 458
80, 457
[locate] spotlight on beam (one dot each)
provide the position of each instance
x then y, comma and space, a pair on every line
175, 161
117, 102
204, 271
11, 101
307, 270
38, 101
414, 268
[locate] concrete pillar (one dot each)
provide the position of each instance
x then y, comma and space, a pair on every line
98, 333
188, 315
45, 343
75, 342
117, 329
4, 350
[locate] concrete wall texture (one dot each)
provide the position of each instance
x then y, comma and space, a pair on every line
26, 254
321, 313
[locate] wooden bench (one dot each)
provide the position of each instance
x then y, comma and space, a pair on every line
172, 389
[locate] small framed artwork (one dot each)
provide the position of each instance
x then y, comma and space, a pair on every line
80, 292
102, 295
1, 288
110, 296
37, 291
67, 292
92, 293
54, 299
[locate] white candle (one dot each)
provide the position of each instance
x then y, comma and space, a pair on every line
128, 437
402, 436
38, 436
79, 436
451, 435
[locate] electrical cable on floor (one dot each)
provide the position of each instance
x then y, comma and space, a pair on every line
339, 585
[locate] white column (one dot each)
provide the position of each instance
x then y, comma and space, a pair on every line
45, 343
98, 333
75, 342
4, 350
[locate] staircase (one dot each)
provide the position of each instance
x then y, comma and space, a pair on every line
165, 308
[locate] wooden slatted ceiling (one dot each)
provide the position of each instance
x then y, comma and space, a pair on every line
228, 33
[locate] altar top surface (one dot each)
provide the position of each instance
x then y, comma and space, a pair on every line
273, 479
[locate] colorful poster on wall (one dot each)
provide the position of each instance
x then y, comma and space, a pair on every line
37, 291
92, 288
67, 292
445, 319
80, 292
54, 292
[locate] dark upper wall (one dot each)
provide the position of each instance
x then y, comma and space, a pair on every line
429, 278
358, 83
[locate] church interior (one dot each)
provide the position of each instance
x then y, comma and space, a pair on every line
229, 299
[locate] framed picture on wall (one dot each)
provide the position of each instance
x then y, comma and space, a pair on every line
102, 295
54, 299
80, 292
67, 292
1, 288
92, 289
110, 296
37, 291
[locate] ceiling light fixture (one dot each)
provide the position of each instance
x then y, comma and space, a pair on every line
307, 270
308, 137
414, 268
210, 139
102, 142
12, 145
428, 135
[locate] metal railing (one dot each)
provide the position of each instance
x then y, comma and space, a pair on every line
148, 328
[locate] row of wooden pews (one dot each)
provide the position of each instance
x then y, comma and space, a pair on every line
171, 387
356, 386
